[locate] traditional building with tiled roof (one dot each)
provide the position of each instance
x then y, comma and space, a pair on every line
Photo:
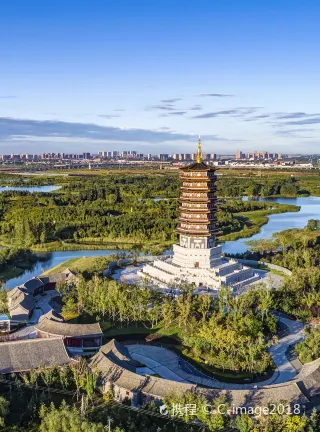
24, 355
21, 299
118, 372
80, 339
20, 305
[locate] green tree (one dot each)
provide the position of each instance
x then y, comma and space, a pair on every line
309, 349
244, 423
48, 375
4, 410
65, 419
168, 312
91, 382
313, 421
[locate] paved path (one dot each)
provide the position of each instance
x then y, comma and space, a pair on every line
43, 306
296, 334
157, 367
165, 360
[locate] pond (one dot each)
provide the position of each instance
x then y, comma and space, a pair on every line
31, 189
48, 260
310, 209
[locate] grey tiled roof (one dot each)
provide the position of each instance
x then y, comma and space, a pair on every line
161, 387
286, 392
308, 369
21, 299
65, 329
52, 315
24, 355
308, 379
112, 372
63, 277
119, 354
32, 284
116, 365
13, 292
69, 273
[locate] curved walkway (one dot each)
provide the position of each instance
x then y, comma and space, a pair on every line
167, 363
278, 351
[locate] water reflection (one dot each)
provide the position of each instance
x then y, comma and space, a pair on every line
31, 189
310, 209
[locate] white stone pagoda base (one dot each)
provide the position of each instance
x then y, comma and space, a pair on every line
166, 271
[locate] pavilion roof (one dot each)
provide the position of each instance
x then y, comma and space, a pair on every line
22, 299
111, 371
116, 365
57, 328
119, 354
33, 284
162, 387
197, 166
24, 355
53, 315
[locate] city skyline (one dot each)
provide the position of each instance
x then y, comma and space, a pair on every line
153, 75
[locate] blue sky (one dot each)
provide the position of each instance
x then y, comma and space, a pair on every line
152, 75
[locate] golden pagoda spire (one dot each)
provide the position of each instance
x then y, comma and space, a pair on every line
199, 152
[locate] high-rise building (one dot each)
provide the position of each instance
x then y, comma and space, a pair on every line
240, 155
103, 153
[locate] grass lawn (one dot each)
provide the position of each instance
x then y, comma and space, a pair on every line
95, 243
60, 267
82, 264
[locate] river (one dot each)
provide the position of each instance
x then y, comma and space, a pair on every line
31, 189
310, 209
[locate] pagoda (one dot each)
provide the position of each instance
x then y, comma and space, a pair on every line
198, 227
197, 259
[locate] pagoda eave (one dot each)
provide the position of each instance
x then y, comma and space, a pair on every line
197, 188
197, 211
197, 221
198, 234
197, 200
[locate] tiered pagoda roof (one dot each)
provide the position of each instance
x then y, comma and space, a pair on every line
197, 212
